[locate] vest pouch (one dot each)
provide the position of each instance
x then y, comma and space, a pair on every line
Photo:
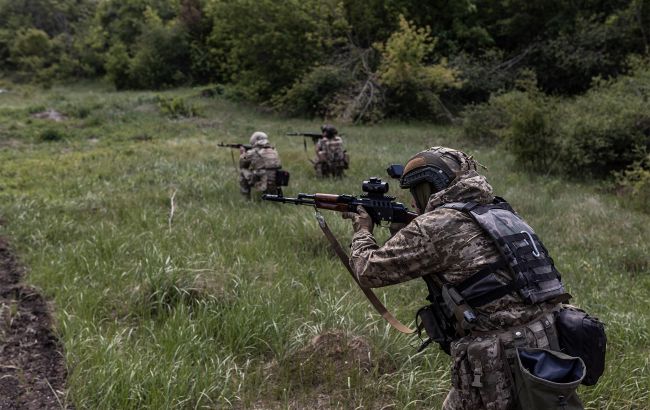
282, 177
583, 336
547, 380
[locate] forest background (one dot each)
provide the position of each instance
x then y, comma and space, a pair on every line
513, 68
551, 96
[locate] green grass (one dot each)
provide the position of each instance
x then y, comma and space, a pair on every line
218, 309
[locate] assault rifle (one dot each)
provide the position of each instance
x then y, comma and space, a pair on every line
379, 206
236, 146
315, 136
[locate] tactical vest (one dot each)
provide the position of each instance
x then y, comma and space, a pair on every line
534, 275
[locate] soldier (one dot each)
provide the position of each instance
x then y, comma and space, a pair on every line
487, 314
331, 157
258, 166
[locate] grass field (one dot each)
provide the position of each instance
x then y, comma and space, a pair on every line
221, 305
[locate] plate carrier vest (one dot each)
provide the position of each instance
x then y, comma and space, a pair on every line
535, 277
451, 314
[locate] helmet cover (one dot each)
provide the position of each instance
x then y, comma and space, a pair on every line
259, 138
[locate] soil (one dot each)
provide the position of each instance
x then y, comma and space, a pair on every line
50, 114
32, 367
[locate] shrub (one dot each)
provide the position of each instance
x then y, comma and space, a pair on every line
482, 75
608, 129
161, 58
51, 135
314, 94
176, 107
635, 181
412, 87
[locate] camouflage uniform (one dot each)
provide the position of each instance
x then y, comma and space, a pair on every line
450, 246
258, 167
331, 157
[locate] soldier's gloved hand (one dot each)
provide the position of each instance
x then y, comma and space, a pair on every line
360, 220
395, 227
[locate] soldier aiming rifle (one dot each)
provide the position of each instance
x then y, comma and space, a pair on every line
259, 166
331, 157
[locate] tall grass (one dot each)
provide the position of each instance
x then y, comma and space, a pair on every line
217, 308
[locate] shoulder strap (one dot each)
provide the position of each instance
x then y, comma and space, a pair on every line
379, 307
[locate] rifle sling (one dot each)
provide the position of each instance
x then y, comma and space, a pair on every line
379, 307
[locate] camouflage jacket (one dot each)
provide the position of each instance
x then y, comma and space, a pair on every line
260, 157
447, 244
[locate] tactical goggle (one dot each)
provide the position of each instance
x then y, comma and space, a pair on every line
431, 174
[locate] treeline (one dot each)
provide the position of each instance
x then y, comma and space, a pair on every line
505, 66
345, 58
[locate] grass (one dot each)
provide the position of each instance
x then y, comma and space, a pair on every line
219, 308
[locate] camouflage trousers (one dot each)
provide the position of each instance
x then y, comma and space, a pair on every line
481, 375
325, 169
262, 180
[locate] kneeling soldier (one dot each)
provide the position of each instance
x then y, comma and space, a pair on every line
258, 166
331, 157
492, 286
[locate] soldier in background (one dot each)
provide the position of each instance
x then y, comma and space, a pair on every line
331, 157
258, 166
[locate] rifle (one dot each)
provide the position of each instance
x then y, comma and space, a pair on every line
234, 146
315, 136
237, 146
379, 206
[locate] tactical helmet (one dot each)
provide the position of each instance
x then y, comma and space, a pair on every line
329, 131
259, 138
437, 165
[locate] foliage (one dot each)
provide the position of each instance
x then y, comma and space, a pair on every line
315, 93
635, 181
52, 134
284, 41
481, 75
175, 107
608, 128
605, 130
413, 87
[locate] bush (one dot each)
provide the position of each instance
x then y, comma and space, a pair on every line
604, 131
51, 135
176, 107
314, 94
481, 76
486, 123
161, 58
635, 182
412, 87
608, 129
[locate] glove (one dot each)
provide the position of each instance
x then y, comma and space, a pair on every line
360, 219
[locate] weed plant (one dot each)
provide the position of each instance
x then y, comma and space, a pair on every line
216, 306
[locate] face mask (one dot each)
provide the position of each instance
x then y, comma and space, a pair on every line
421, 194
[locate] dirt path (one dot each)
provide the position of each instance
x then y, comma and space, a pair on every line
32, 368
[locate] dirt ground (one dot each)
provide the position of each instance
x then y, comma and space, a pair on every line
32, 367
